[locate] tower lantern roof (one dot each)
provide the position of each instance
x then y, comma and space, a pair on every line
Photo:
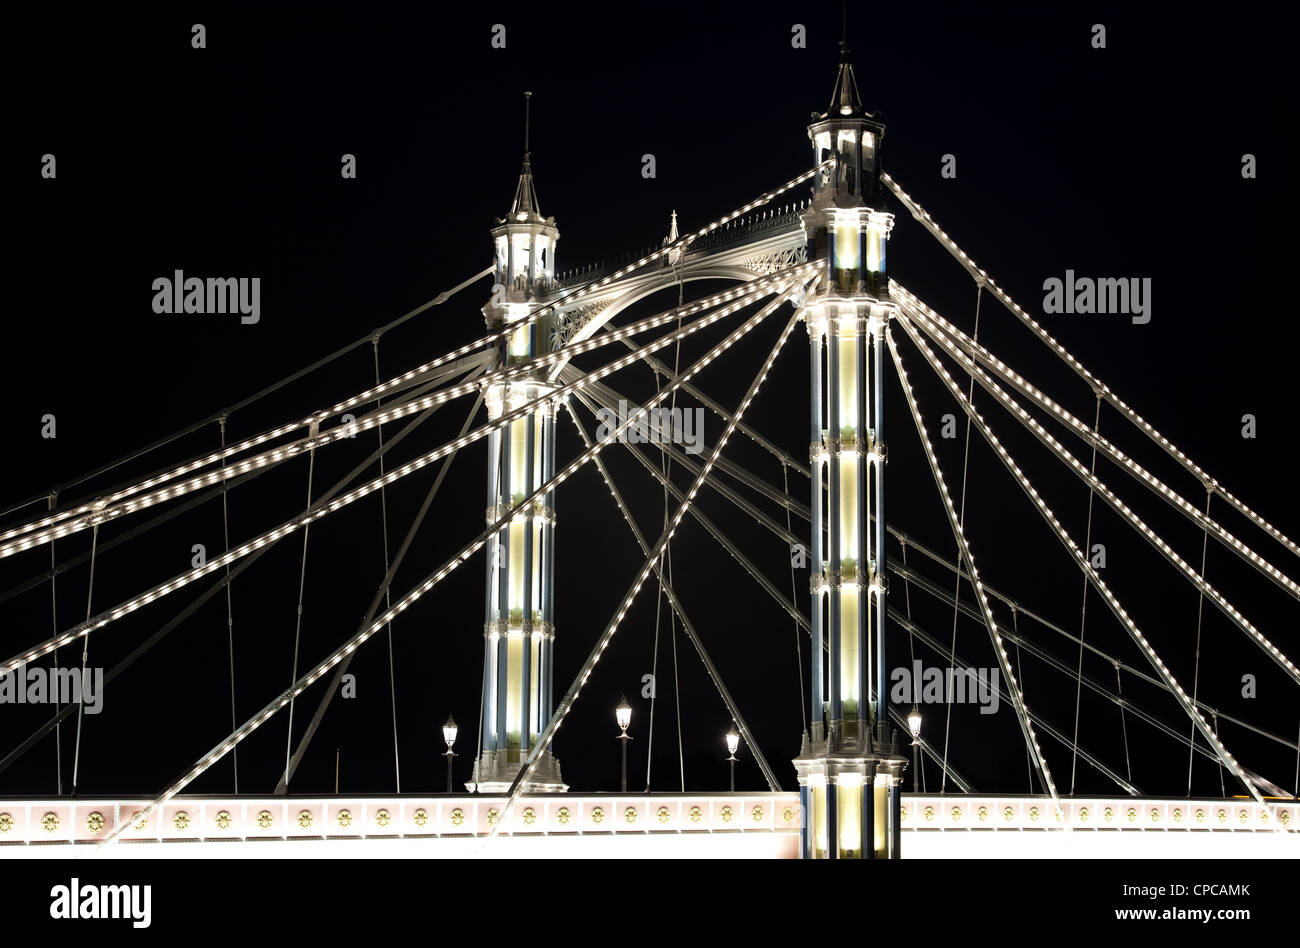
525, 209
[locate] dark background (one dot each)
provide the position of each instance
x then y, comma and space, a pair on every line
225, 161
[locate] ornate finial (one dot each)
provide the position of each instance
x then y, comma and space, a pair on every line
527, 102
525, 202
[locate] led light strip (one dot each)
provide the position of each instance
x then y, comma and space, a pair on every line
1111, 600
1018, 412
313, 514
378, 391
691, 238
360, 638
749, 293
1097, 385
675, 604
101, 503
928, 318
1018, 698
566, 704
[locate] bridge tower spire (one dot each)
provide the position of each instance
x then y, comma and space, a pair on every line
519, 606
849, 766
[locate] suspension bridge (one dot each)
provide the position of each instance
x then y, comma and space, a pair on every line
810, 256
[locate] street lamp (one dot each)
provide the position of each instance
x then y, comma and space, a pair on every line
914, 725
449, 732
623, 715
733, 742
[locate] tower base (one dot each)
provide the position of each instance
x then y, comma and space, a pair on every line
496, 770
849, 788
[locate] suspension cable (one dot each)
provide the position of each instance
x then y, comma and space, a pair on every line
923, 216
911, 637
1083, 603
794, 599
388, 599
1015, 629
124, 502
961, 521
566, 703
230, 616
999, 650
1081, 561
297, 632
172, 624
668, 548
1123, 723
85, 653
952, 338
1200, 612
922, 324
54, 620
268, 390
322, 509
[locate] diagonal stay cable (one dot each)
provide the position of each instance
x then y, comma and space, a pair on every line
189, 610
687, 626
566, 704
923, 216
1126, 513
381, 595
1111, 600
323, 509
990, 622
366, 632
933, 322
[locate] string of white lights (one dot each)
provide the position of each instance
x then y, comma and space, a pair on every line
395, 474
924, 584
684, 242
372, 394
779, 453
223, 455
714, 675
1189, 572
932, 322
566, 703
709, 526
392, 412
800, 619
236, 737
600, 396
1021, 609
980, 276
990, 622
1082, 561
957, 661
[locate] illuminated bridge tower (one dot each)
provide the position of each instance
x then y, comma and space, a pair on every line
519, 623
849, 767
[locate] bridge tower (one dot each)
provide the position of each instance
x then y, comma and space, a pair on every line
519, 607
850, 767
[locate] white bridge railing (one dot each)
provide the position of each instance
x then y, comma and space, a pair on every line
54, 821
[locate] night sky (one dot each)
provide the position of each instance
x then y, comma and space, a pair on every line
1116, 162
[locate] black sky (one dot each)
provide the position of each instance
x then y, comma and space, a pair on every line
225, 161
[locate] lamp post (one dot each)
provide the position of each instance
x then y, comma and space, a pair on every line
449, 732
914, 725
623, 715
733, 742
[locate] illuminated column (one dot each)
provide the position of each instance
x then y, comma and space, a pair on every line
519, 622
850, 770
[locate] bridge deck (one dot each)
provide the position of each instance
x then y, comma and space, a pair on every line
740, 824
